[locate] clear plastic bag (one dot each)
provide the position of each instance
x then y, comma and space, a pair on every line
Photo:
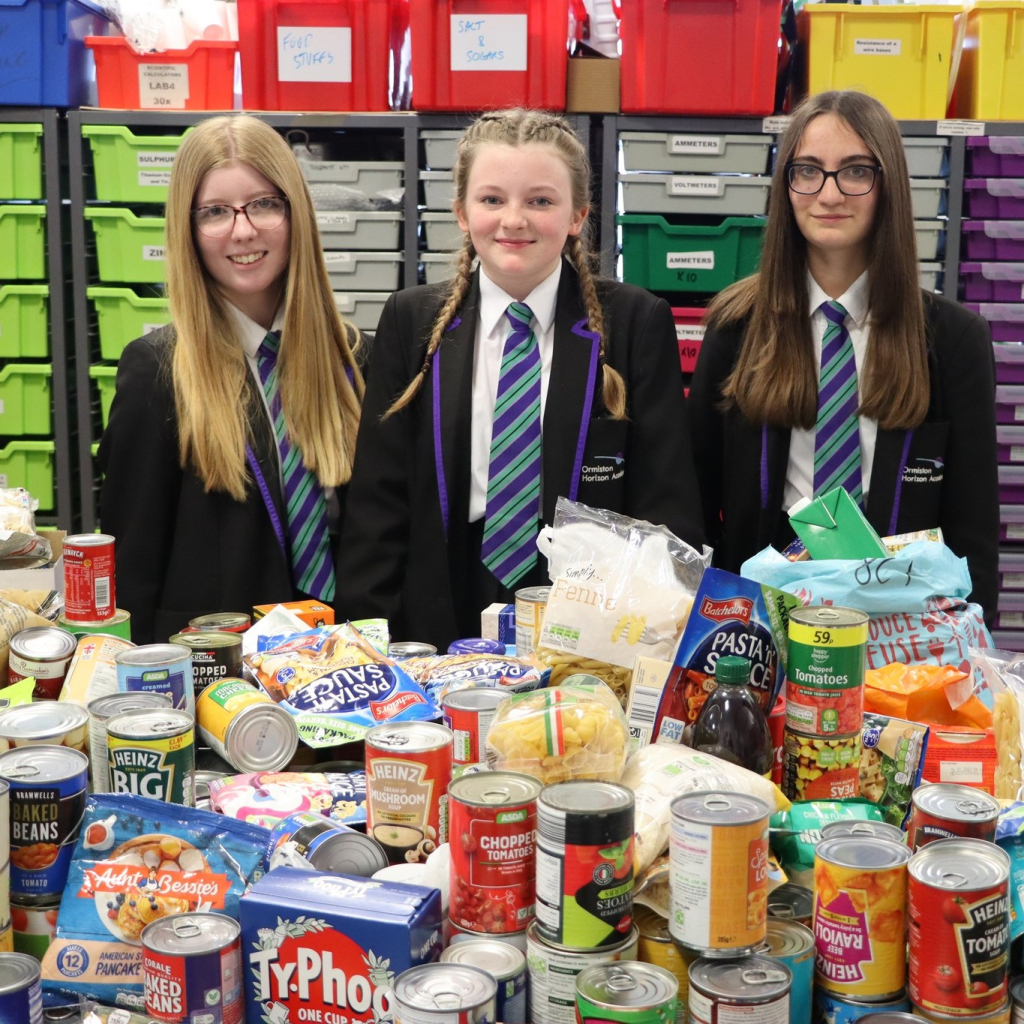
1003, 672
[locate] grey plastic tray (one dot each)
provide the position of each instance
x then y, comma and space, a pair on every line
437, 266
695, 153
359, 229
930, 235
439, 147
927, 198
361, 308
926, 157
367, 176
441, 231
438, 190
363, 271
694, 193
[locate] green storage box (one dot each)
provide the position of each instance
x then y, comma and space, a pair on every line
21, 161
25, 399
22, 243
105, 378
24, 310
128, 248
130, 168
29, 464
122, 316
688, 258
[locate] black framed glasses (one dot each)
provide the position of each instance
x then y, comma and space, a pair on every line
264, 214
852, 180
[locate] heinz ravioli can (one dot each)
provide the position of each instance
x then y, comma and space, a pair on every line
626, 993
749, 988
158, 668
152, 753
89, 594
307, 839
943, 810
505, 964
192, 969
469, 713
792, 944
718, 873
444, 994
21, 996
101, 710
959, 909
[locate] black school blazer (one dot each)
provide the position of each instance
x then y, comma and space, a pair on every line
942, 473
408, 502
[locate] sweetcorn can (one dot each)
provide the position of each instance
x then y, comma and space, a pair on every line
152, 753
626, 993
833, 1009
444, 994
655, 946
21, 997
505, 964
158, 668
101, 710
943, 810
749, 988
792, 944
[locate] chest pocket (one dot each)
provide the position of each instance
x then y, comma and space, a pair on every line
603, 473
921, 477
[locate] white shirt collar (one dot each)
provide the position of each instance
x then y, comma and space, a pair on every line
854, 300
495, 300
250, 333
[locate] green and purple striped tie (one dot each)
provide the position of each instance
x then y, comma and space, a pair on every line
509, 546
837, 433
309, 539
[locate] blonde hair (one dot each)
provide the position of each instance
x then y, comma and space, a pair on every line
520, 127
321, 405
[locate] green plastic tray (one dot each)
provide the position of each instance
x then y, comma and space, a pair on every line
128, 248
29, 464
21, 161
22, 243
105, 378
130, 168
25, 399
23, 321
122, 316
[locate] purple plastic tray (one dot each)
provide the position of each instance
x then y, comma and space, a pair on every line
1011, 524
1009, 357
1005, 319
1010, 612
993, 282
993, 239
1011, 570
1008, 640
998, 156
1009, 403
1011, 484
1010, 445
994, 197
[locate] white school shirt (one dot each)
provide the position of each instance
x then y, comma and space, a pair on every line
800, 471
491, 331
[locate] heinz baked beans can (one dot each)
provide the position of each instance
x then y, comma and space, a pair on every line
89, 592
152, 753
792, 944
942, 810
959, 907
584, 863
444, 994
44, 653
833, 1009
718, 874
216, 655
47, 787
158, 668
505, 964
626, 993
493, 821
21, 995
655, 946
469, 713
192, 969
749, 988
821, 767
101, 710
408, 769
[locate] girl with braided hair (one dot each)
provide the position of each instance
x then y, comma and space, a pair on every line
521, 379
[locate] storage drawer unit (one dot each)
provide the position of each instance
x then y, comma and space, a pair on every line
675, 152
438, 189
130, 168
22, 243
128, 248
721, 195
24, 317
360, 229
439, 147
1009, 357
104, 379
363, 271
437, 267
1005, 319
122, 316
29, 464
21, 160
441, 231
993, 239
363, 309
26, 399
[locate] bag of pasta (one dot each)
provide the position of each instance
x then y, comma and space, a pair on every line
1003, 674
620, 588
573, 731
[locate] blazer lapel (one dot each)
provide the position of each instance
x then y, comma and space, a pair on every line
773, 462
886, 472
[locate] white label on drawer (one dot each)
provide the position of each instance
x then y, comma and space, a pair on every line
337, 257
959, 127
344, 303
1013, 580
156, 160
163, 86
1018, 412
680, 185
1014, 619
961, 771
1015, 531
1017, 452
314, 54
489, 42
1, 407
153, 252
149, 328
1022, 292
687, 332
691, 260
710, 144
3, 479
878, 47
333, 219
159, 179
774, 125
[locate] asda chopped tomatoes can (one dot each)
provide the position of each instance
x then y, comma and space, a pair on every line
943, 810
749, 988
959, 908
447, 993
21, 996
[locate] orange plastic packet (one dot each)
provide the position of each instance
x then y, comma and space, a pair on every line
935, 694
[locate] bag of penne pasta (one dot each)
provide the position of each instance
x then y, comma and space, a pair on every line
1003, 673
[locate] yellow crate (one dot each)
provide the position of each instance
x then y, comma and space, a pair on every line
899, 54
990, 85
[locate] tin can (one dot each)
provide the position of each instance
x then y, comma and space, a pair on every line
444, 994
584, 863
119, 625
93, 670
832, 1009
220, 622
793, 945
860, 925
777, 728
493, 820
469, 713
943, 810
959, 909
311, 840
889, 1017
215, 656
152, 753
47, 804
477, 645
747, 988
6, 932
1017, 1000
505, 964
655, 946
44, 653
21, 996
825, 671
718, 876
192, 969
410, 649
34, 925
821, 768
877, 829
408, 768
791, 902
203, 778
246, 727
531, 603
46, 723
627, 993
100, 712
553, 970
89, 592
158, 668
1004, 1015
517, 940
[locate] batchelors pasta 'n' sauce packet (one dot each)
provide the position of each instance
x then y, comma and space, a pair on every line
138, 860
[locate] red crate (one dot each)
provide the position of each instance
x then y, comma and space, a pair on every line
338, 55
689, 334
533, 35
700, 56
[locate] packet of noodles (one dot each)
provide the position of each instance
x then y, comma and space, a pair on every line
441, 674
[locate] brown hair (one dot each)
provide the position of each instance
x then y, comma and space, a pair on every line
321, 406
775, 380
520, 127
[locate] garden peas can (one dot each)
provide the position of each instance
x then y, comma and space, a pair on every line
626, 993
152, 753
21, 997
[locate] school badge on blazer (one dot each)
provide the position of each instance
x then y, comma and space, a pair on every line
603, 469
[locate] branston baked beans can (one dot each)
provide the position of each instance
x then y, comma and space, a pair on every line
793, 945
942, 810
469, 713
749, 988
959, 908
158, 668
152, 753
192, 969
221, 622
46, 723
860, 923
584, 863
408, 768
44, 653
493, 820
718, 875
531, 603
626, 993
47, 804
89, 594
21, 996
314, 842
820, 767
655, 946
505, 964
444, 994
215, 656
101, 710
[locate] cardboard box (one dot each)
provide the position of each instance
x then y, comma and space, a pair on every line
964, 756
313, 613
646, 688
46, 577
592, 85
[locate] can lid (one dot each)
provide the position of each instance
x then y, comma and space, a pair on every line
501, 960
17, 971
650, 923
410, 736
494, 789
452, 987
35, 765
103, 708
88, 540
892, 1017
210, 638
720, 808
585, 796
539, 594
732, 670
48, 643
221, 620
879, 829
150, 723
628, 983
190, 934
153, 654
862, 852
829, 615
349, 853
42, 720
786, 938
1017, 991
262, 738
956, 803
750, 979
790, 900
478, 698
410, 649
476, 645
959, 864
